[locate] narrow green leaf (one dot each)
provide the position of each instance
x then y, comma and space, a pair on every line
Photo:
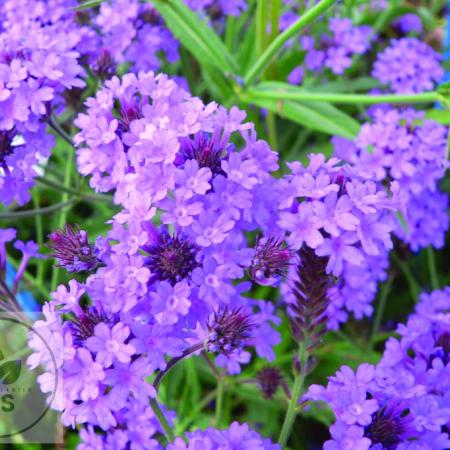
88, 4
196, 35
319, 116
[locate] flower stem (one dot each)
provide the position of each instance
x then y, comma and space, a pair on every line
162, 420
385, 290
174, 361
366, 99
414, 288
291, 412
219, 401
432, 268
265, 59
53, 123
36, 211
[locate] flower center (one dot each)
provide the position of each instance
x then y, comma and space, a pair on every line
172, 258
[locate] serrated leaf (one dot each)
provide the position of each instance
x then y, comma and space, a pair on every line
319, 116
10, 372
196, 35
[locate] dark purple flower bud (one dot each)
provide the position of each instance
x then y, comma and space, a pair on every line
105, 66
72, 249
443, 348
308, 314
82, 326
391, 425
129, 111
171, 258
228, 329
207, 150
270, 262
269, 379
6, 147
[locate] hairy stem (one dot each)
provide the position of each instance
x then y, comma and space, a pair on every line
297, 390
432, 268
162, 420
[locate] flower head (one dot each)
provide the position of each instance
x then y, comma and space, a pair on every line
228, 329
72, 249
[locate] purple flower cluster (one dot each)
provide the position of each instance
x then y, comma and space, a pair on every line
238, 436
334, 50
403, 402
345, 217
126, 31
408, 65
38, 63
409, 23
217, 8
174, 271
404, 148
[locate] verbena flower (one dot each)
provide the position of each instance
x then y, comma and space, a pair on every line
408, 65
402, 403
236, 436
404, 149
347, 219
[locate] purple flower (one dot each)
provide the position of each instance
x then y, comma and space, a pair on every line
109, 344
339, 250
83, 376
169, 302
408, 65
303, 226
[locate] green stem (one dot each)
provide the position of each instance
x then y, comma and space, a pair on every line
414, 287
39, 236
58, 129
195, 411
63, 213
265, 59
36, 211
385, 291
162, 420
432, 268
83, 195
299, 381
272, 129
425, 97
219, 401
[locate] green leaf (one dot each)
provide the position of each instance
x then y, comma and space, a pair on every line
10, 372
88, 4
319, 116
439, 115
196, 35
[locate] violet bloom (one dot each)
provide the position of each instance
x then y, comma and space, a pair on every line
170, 302
408, 66
109, 344
83, 376
237, 436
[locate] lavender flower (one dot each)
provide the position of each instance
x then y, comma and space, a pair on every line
405, 150
408, 65
399, 404
237, 436
269, 380
347, 219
